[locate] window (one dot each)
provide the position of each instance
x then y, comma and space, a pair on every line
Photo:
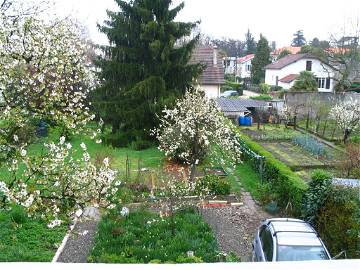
248, 67
323, 83
267, 243
308, 65
277, 81
327, 83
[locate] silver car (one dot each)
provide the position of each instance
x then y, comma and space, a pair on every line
287, 239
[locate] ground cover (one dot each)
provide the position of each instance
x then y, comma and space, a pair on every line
23, 239
270, 132
144, 237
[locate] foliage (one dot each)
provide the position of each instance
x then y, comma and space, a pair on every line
310, 144
192, 128
305, 82
261, 59
299, 39
283, 53
264, 88
262, 97
347, 116
287, 187
338, 222
122, 239
214, 184
27, 240
250, 43
316, 195
350, 164
145, 67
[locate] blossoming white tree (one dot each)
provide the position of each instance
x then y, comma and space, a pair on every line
45, 75
347, 116
194, 129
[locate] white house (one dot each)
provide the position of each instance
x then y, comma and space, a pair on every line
244, 66
212, 78
285, 71
230, 65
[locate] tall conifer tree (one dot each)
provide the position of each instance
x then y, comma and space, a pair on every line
261, 59
144, 68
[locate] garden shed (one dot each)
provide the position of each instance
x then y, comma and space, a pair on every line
234, 108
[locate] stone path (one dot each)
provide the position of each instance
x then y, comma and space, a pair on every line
81, 238
235, 226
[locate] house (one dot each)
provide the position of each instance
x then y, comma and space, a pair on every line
212, 77
230, 65
293, 50
234, 108
244, 66
286, 70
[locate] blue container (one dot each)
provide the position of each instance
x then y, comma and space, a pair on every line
247, 121
242, 121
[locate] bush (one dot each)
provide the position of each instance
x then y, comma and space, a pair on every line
338, 222
214, 184
264, 88
18, 214
262, 97
288, 188
310, 144
316, 195
276, 88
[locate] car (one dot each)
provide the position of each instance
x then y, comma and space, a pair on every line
288, 239
229, 93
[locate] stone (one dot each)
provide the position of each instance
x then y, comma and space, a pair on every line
92, 213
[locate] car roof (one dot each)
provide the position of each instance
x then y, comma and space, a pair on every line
294, 232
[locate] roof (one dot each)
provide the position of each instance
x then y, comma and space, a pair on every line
294, 232
289, 59
292, 50
239, 104
246, 58
212, 74
289, 78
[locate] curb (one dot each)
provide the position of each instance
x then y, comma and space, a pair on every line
63, 243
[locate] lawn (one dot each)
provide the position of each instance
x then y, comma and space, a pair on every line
144, 237
26, 240
248, 178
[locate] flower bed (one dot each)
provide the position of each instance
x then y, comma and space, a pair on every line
144, 237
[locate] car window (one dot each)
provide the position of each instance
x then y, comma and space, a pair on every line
301, 253
267, 243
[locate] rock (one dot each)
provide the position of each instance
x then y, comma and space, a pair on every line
92, 213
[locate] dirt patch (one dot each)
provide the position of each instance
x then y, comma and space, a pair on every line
235, 226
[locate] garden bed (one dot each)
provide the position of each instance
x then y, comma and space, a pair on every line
270, 132
144, 237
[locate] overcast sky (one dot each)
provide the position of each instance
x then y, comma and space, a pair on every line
276, 19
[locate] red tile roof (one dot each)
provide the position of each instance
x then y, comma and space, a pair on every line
289, 78
292, 50
212, 74
246, 58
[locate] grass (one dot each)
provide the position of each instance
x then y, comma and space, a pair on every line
27, 240
249, 179
270, 132
144, 237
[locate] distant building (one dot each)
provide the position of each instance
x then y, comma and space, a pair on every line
293, 50
245, 65
286, 70
230, 65
212, 78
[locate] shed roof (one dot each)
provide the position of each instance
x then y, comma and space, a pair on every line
289, 78
239, 104
212, 74
246, 58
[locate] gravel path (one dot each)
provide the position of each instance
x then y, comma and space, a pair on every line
235, 226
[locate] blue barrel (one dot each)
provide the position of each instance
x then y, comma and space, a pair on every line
247, 121
242, 121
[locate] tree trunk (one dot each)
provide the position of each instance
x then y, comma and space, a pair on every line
307, 120
295, 122
323, 133
347, 133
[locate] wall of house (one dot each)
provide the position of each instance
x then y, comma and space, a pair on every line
295, 68
243, 72
211, 91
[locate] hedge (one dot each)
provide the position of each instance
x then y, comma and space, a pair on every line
288, 187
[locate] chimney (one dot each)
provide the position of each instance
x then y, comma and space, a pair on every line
215, 56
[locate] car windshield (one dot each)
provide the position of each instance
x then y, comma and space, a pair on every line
301, 253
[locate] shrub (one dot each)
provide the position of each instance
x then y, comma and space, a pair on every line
139, 145
264, 88
18, 214
276, 88
338, 222
316, 195
214, 184
262, 97
287, 187
310, 144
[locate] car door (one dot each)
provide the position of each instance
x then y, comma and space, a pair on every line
258, 249
267, 245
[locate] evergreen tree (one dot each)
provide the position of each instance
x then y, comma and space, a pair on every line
250, 44
299, 39
283, 54
144, 69
261, 59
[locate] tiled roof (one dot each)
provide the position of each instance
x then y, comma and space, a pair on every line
238, 104
246, 58
289, 78
289, 59
212, 74
292, 50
